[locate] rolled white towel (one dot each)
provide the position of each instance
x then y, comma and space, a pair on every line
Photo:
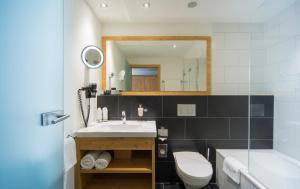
103, 160
88, 161
232, 168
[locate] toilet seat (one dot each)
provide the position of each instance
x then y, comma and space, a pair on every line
192, 165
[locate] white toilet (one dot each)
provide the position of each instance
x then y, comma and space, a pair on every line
193, 169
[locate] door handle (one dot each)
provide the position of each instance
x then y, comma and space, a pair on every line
60, 118
51, 118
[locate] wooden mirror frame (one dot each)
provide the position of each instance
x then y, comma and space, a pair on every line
162, 38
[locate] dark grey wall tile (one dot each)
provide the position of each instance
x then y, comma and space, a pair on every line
261, 128
228, 144
262, 106
111, 102
170, 104
184, 145
261, 144
166, 172
228, 106
213, 178
159, 186
225, 144
174, 186
188, 145
130, 104
175, 127
239, 128
207, 128
221, 123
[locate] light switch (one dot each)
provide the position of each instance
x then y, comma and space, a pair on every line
186, 109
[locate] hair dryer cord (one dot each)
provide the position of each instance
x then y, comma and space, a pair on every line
85, 120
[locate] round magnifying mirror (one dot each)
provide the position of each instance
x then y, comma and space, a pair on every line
92, 57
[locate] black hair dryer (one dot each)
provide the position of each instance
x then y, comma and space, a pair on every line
90, 92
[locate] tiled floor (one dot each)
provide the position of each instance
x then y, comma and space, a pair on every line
180, 186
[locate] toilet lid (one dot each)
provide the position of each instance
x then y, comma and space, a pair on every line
193, 164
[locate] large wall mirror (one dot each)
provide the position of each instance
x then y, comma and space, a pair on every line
157, 65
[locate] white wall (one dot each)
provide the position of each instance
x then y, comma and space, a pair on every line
234, 46
156, 29
81, 28
117, 61
282, 77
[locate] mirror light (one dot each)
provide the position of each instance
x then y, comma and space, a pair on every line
103, 5
146, 4
85, 61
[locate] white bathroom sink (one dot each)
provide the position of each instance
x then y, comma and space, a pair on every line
119, 129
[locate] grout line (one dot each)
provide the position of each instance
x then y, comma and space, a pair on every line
184, 130
118, 109
207, 106
229, 120
206, 146
162, 106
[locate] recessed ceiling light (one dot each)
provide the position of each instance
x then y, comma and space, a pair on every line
192, 4
146, 4
103, 5
174, 46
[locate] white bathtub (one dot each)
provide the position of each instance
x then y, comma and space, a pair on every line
267, 169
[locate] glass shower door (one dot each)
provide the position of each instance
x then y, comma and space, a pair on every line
31, 78
274, 159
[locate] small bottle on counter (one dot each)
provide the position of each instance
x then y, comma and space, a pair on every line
140, 111
99, 115
105, 114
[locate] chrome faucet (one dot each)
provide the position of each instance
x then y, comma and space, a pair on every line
123, 117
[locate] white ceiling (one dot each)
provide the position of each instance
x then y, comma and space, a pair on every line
176, 11
150, 49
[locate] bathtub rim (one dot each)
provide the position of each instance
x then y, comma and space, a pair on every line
244, 172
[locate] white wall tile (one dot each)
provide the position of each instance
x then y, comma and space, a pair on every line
257, 74
237, 74
226, 57
271, 35
251, 27
244, 57
282, 51
289, 28
259, 89
218, 73
257, 41
257, 57
282, 78
218, 40
232, 56
239, 41
244, 89
225, 89
226, 27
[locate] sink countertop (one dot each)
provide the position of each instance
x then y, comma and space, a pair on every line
118, 129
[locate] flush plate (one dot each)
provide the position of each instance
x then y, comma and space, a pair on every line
186, 109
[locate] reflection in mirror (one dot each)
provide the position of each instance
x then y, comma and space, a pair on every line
157, 65
92, 57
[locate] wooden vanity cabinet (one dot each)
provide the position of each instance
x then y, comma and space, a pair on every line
132, 165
